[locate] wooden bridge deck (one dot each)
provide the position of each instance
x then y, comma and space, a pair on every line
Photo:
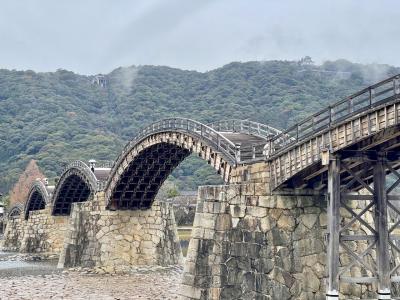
298, 161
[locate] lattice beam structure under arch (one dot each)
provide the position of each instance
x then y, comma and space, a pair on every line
38, 198
141, 180
35, 202
223, 145
15, 211
74, 189
77, 184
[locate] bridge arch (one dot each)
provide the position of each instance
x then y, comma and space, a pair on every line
147, 160
38, 197
77, 183
15, 211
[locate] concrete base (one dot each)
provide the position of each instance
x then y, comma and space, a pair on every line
384, 295
332, 295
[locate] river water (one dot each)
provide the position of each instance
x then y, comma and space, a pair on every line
13, 264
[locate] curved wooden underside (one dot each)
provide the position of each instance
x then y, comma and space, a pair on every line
77, 184
38, 197
15, 211
139, 173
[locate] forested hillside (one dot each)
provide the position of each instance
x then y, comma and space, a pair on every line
61, 116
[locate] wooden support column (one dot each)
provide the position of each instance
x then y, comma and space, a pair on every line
381, 226
333, 212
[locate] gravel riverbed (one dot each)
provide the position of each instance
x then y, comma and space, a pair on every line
33, 277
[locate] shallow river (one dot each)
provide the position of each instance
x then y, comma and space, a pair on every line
11, 265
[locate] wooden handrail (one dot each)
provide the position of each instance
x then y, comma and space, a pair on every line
286, 138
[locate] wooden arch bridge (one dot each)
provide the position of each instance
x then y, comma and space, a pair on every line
344, 151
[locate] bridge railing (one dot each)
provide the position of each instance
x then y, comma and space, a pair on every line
77, 164
245, 126
38, 184
364, 100
222, 144
99, 184
252, 152
104, 164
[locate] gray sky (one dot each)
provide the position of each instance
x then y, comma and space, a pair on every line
93, 36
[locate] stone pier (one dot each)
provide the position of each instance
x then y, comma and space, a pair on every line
98, 237
249, 245
13, 234
41, 233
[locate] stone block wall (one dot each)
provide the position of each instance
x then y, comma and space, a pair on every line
101, 238
41, 233
254, 173
44, 232
247, 244
184, 208
13, 234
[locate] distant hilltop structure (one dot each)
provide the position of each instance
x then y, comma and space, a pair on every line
306, 61
100, 80
308, 66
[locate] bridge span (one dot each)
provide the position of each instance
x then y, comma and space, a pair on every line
147, 161
306, 213
350, 146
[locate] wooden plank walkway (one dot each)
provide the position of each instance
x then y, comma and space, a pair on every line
298, 153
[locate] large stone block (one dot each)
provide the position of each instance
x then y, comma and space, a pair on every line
258, 253
122, 237
41, 232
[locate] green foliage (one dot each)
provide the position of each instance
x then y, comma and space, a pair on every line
5, 200
173, 192
61, 116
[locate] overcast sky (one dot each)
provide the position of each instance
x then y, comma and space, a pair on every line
96, 36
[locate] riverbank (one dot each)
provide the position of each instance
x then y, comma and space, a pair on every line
76, 286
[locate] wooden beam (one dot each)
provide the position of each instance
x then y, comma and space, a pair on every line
381, 227
333, 213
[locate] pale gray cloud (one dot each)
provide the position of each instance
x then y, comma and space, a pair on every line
96, 36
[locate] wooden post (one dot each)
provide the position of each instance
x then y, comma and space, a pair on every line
237, 153
333, 228
381, 227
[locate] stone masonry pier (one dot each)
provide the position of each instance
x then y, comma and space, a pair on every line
98, 237
249, 245
41, 233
